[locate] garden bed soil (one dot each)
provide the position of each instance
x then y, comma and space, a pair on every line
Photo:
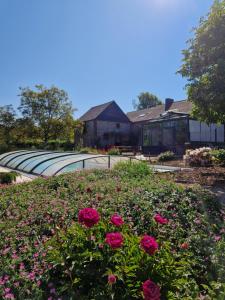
211, 176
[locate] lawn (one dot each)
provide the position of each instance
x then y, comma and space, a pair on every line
47, 253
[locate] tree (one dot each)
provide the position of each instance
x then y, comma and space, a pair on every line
204, 66
47, 108
146, 100
7, 123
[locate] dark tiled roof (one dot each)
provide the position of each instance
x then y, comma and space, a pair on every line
148, 114
94, 112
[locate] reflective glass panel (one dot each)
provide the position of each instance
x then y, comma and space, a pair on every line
5, 160
41, 168
17, 161
34, 162
71, 168
9, 153
53, 169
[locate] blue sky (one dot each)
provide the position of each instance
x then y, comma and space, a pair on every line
97, 50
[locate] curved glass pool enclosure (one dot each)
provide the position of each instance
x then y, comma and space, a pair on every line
48, 163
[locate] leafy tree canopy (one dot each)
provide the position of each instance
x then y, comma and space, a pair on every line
146, 100
48, 108
204, 66
7, 122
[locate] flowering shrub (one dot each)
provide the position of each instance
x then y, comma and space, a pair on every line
166, 156
33, 214
93, 263
219, 157
198, 157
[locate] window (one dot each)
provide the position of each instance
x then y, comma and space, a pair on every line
118, 125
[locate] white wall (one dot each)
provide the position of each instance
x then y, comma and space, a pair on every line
201, 132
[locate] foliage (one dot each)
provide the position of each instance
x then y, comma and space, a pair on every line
113, 151
7, 123
87, 150
83, 263
219, 157
8, 177
48, 108
33, 214
133, 169
204, 65
165, 156
199, 157
146, 100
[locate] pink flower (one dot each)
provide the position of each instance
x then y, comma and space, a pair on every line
217, 238
88, 216
151, 290
31, 276
9, 296
111, 279
52, 291
149, 244
184, 246
114, 239
159, 219
117, 220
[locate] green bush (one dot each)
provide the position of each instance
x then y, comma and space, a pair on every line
166, 156
133, 169
113, 151
84, 263
4, 148
8, 177
87, 150
219, 157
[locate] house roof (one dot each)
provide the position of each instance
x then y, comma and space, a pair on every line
156, 112
95, 111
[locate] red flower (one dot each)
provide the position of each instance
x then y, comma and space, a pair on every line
184, 246
149, 244
114, 239
88, 216
111, 279
117, 220
159, 219
151, 290
89, 190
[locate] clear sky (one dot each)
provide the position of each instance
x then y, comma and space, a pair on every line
97, 50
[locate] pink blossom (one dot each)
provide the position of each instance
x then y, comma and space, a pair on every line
88, 216
217, 238
114, 239
159, 219
151, 290
116, 220
149, 244
52, 291
9, 296
111, 279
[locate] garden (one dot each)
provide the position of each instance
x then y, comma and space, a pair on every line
124, 233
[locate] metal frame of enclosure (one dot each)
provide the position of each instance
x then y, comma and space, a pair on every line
49, 163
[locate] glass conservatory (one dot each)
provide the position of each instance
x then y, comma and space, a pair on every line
48, 163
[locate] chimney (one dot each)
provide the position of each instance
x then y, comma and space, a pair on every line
168, 103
